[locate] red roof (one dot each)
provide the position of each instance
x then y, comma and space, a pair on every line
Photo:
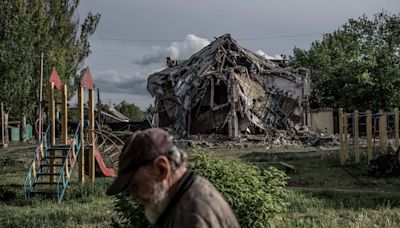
56, 79
87, 79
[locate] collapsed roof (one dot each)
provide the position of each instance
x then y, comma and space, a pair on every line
226, 89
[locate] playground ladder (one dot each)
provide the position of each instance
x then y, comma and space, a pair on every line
52, 167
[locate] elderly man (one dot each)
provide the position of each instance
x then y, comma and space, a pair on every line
154, 172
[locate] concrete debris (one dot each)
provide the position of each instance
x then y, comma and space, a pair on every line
226, 89
320, 139
218, 141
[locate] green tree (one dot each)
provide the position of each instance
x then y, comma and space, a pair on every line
30, 27
356, 66
133, 112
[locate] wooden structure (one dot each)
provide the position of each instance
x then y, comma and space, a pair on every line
53, 162
87, 83
55, 84
373, 125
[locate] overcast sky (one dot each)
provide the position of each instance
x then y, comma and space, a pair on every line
134, 36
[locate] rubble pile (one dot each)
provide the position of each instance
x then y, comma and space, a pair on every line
226, 89
215, 141
315, 139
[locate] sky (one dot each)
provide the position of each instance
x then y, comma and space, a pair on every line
134, 37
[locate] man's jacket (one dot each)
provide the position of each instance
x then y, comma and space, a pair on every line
196, 203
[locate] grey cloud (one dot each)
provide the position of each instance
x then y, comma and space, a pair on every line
176, 50
168, 20
156, 55
263, 54
115, 82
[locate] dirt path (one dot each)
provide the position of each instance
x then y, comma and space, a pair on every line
4, 151
341, 190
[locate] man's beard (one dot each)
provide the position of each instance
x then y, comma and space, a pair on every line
155, 205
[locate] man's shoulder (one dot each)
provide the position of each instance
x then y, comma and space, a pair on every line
203, 189
203, 200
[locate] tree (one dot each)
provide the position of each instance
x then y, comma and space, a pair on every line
133, 112
30, 27
357, 66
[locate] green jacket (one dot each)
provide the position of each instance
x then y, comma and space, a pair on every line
196, 203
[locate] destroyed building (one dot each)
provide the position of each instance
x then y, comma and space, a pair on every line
226, 89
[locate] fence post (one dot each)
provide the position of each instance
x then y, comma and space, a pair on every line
356, 139
369, 135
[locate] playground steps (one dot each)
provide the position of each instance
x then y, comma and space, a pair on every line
51, 193
49, 170
52, 165
53, 168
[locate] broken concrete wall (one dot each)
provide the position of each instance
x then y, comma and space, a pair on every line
322, 121
226, 89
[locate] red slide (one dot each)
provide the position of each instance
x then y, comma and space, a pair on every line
108, 172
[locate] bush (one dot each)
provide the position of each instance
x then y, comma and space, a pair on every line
254, 195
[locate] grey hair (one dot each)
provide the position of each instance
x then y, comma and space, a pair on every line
177, 157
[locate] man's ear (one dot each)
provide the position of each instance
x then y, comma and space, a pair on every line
162, 165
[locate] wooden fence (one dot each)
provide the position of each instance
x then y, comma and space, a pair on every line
366, 125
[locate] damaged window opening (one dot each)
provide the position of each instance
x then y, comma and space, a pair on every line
220, 94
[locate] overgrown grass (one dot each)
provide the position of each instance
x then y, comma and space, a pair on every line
84, 205
326, 172
333, 196
332, 209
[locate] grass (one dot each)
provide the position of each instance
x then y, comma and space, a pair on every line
83, 206
325, 172
324, 194
314, 197
328, 209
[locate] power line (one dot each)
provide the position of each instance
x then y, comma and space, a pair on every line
172, 40
131, 40
281, 36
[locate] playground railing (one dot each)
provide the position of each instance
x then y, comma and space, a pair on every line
69, 162
40, 153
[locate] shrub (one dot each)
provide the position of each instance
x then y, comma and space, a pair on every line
254, 195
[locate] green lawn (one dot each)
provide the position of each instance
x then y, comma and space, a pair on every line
84, 206
321, 194
332, 209
324, 194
